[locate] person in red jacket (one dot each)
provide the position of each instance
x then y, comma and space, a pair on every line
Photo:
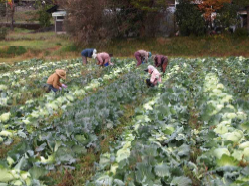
142, 56
103, 59
161, 61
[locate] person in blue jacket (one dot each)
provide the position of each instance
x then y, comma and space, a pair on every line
88, 52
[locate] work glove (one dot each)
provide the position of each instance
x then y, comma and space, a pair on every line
64, 86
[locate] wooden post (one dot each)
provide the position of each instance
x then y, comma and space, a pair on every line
12, 14
247, 10
7, 12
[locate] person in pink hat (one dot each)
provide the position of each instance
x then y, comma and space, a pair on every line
155, 77
142, 56
103, 59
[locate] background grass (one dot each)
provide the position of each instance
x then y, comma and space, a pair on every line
24, 16
50, 46
218, 46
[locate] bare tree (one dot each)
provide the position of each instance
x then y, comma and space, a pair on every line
88, 21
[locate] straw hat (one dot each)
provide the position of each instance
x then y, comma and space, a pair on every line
61, 73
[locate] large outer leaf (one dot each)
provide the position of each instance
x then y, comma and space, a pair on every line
162, 170
5, 175
181, 181
144, 173
104, 181
37, 172
117, 182
226, 160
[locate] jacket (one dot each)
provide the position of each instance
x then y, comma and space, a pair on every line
88, 52
103, 58
155, 77
159, 59
144, 54
54, 80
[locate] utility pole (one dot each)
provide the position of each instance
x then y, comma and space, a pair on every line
12, 14
247, 11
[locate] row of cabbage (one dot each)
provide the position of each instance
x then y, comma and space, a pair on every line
160, 148
195, 133
35, 112
18, 85
157, 149
224, 137
61, 141
18, 67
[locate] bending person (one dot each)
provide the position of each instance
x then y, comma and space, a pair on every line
142, 56
161, 61
88, 52
155, 76
103, 59
53, 81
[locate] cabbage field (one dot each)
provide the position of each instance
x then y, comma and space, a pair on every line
193, 129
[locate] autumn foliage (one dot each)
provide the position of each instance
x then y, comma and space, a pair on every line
211, 6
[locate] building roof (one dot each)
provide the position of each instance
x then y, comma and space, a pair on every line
59, 13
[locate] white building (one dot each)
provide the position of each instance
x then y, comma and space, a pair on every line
59, 17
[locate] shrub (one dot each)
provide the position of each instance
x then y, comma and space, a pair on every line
44, 18
2, 9
3, 33
189, 19
72, 48
16, 50
241, 32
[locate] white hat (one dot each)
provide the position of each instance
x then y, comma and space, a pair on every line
151, 68
94, 55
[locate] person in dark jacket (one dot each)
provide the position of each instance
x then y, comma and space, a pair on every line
161, 61
88, 52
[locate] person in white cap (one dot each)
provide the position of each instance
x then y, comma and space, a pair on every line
155, 76
53, 81
88, 52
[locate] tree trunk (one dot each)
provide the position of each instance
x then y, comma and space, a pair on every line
247, 10
12, 14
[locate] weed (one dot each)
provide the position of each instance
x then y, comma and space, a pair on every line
4, 149
3, 33
71, 48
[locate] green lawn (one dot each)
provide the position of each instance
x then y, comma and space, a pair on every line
47, 45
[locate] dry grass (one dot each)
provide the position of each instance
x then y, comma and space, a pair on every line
216, 46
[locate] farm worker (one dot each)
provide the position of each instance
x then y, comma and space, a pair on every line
54, 80
161, 61
103, 59
88, 52
142, 56
155, 76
